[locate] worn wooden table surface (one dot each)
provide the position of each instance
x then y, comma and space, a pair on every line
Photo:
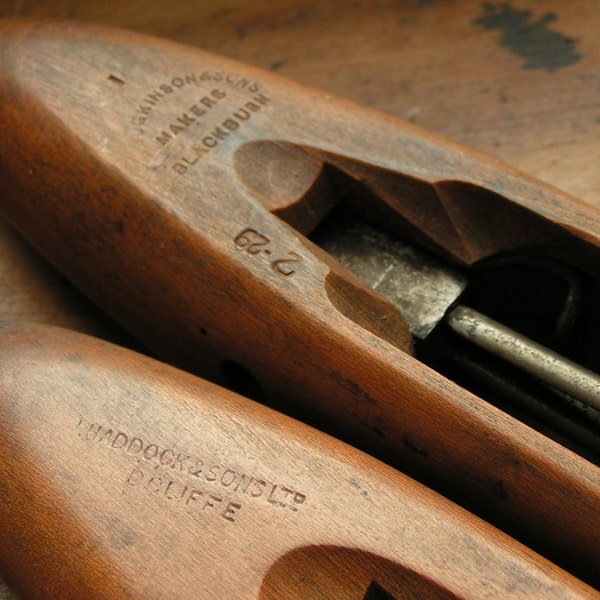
519, 80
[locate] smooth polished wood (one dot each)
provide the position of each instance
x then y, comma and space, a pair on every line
145, 156
432, 62
33, 291
517, 81
125, 478
427, 61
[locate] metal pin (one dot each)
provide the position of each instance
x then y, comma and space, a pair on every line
526, 354
423, 289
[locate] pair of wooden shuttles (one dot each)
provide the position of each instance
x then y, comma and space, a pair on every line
122, 476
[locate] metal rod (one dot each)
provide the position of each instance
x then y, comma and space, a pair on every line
526, 354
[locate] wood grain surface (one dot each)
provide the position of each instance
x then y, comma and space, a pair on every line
140, 481
518, 80
446, 65
449, 66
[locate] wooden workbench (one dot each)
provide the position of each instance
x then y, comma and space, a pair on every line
519, 80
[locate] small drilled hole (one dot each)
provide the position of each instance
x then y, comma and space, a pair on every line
115, 79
